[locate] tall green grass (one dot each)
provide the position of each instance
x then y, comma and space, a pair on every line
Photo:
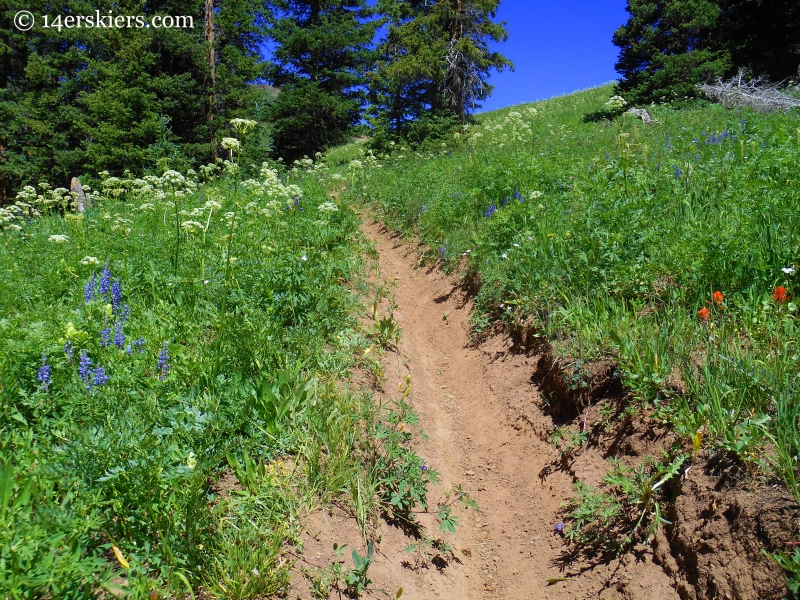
610, 238
140, 349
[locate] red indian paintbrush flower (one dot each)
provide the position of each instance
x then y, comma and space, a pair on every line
718, 298
704, 314
779, 294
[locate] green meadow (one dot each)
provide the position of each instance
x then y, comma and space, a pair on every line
670, 248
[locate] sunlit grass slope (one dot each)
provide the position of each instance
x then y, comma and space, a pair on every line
671, 248
175, 332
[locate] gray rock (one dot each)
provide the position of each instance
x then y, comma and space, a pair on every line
642, 114
79, 196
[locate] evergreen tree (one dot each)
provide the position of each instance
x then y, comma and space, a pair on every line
435, 63
83, 100
323, 50
668, 47
763, 36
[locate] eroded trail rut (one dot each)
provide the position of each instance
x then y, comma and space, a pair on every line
481, 411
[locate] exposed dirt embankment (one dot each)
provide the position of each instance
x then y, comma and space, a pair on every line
489, 412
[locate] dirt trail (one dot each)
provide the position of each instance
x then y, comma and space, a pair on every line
482, 412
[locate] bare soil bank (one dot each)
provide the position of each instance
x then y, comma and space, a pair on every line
489, 429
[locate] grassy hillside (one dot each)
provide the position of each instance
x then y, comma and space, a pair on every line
671, 248
177, 332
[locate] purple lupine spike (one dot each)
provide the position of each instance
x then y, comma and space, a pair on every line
100, 377
105, 337
124, 312
105, 281
89, 291
44, 373
119, 336
116, 295
163, 362
84, 370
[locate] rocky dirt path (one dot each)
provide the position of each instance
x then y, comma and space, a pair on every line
486, 431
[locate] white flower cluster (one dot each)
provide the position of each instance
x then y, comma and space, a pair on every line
190, 226
210, 170
172, 179
328, 207
272, 188
303, 164
616, 103
231, 144
242, 126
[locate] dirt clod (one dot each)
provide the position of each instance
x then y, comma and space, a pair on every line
718, 537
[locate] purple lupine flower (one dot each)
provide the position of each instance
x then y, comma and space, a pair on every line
443, 250
105, 281
517, 195
68, 350
100, 377
139, 343
44, 373
490, 210
560, 526
424, 207
458, 195
119, 337
84, 370
423, 468
89, 291
116, 295
677, 172
163, 362
505, 201
129, 349
105, 337
123, 313
668, 145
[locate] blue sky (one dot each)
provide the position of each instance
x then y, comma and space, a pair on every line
557, 46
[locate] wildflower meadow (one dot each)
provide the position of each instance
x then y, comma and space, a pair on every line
670, 248
140, 340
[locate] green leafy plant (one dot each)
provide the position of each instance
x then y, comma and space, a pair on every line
280, 398
627, 510
402, 476
790, 563
356, 578
386, 331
